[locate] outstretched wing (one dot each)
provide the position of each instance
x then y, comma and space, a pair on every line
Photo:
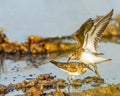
93, 36
80, 33
97, 18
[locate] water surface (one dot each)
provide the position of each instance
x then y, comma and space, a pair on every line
52, 18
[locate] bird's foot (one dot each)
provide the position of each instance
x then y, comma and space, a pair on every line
97, 73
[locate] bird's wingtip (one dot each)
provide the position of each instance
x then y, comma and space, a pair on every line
109, 59
112, 10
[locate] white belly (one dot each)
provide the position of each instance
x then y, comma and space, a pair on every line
87, 58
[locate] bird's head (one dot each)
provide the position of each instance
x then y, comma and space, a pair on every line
73, 56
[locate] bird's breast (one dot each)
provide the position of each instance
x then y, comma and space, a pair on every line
87, 58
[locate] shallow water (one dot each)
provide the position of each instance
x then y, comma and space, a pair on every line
108, 70
52, 18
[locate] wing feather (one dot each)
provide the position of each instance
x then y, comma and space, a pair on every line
95, 33
79, 35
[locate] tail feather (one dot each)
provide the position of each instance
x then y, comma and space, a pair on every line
108, 59
54, 62
103, 60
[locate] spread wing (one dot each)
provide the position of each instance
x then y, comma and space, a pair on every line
93, 36
97, 18
79, 34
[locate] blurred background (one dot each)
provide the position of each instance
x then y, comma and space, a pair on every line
49, 18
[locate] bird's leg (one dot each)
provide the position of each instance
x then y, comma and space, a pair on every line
68, 79
96, 70
73, 78
68, 88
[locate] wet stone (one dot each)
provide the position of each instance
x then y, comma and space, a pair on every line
3, 89
77, 83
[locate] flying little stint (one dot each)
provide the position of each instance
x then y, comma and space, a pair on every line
87, 38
